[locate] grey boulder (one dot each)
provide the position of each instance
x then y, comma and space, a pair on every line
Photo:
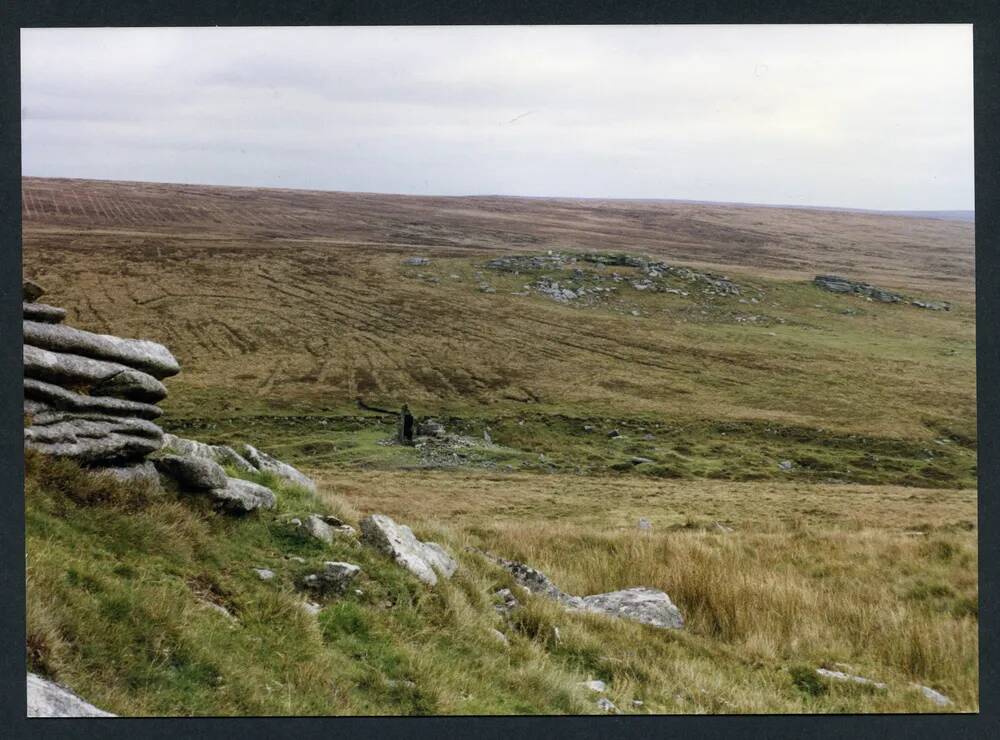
324, 529
141, 354
94, 438
42, 312
265, 463
102, 378
644, 605
48, 699
192, 473
222, 454
242, 496
335, 578
59, 398
425, 560
144, 472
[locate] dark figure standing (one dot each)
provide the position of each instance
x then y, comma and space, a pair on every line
405, 426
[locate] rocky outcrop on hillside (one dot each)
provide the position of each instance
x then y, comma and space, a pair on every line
837, 284
426, 560
90, 397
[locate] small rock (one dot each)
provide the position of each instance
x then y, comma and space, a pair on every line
938, 698
416, 261
295, 559
588, 428
556, 636
645, 523
500, 636
606, 705
839, 676
264, 574
596, 685
785, 465
508, 603
336, 577
614, 433
640, 460
31, 291
637, 703
311, 607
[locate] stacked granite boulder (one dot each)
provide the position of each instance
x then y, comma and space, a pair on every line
91, 397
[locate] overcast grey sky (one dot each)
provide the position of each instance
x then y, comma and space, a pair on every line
855, 116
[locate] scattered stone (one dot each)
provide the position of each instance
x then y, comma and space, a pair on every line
637, 703
192, 473
614, 433
605, 704
264, 574
640, 460
48, 699
296, 559
588, 428
719, 526
336, 577
645, 523
426, 560
786, 465
417, 261
140, 354
936, 697
266, 463
242, 496
932, 305
508, 601
217, 608
847, 677
598, 686
311, 608
500, 636
430, 428
42, 312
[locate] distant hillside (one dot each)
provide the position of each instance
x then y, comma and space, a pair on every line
784, 242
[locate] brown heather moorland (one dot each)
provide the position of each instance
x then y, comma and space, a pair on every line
831, 437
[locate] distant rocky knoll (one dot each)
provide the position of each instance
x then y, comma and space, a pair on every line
836, 284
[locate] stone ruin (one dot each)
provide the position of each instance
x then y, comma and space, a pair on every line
92, 398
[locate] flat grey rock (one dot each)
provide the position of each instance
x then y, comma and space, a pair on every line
192, 473
644, 605
336, 577
242, 496
95, 439
222, 454
59, 398
48, 699
42, 312
425, 560
265, 463
140, 354
264, 574
849, 678
934, 696
102, 378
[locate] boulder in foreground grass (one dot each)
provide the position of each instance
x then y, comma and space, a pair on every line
267, 464
425, 560
222, 454
48, 699
643, 605
192, 473
144, 473
242, 496
335, 578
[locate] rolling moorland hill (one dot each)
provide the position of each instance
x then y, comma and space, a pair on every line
805, 459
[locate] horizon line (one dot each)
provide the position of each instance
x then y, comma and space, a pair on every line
647, 199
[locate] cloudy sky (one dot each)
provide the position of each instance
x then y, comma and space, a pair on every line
856, 116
